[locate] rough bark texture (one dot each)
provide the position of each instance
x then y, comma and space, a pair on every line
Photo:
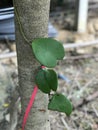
33, 16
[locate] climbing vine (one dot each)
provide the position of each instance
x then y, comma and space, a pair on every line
48, 51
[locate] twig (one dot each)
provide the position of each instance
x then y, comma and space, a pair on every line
96, 112
92, 97
8, 55
85, 86
88, 99
65, 124
81, 57
83, 44
73, 85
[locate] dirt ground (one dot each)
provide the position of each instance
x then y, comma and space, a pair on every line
82, 89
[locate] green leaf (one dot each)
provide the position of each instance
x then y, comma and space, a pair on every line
60, 103
41, 82
51, 78
46, 80
48, 51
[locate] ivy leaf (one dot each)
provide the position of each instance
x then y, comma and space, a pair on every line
51, 78
48, 51
60, 103
46, 80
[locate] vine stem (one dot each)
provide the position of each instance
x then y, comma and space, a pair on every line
20, 25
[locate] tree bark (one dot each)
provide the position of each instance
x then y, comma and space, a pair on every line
33, 17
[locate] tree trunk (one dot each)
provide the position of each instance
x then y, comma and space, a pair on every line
32, 22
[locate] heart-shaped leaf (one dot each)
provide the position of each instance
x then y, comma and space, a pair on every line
42, 82
60, 103
46, 80
48, 51
52, 79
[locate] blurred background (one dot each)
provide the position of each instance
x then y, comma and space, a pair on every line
75, 24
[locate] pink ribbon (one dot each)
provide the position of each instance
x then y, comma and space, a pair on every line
30, 104
29, 107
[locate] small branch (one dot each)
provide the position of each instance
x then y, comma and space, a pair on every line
88, 99
83, 44
65, 123
7, 55
96, 112
92, 97
81, 57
